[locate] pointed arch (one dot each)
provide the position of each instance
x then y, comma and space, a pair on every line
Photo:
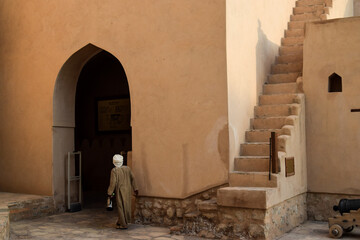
64, 117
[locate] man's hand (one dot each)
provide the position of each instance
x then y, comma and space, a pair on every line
136, 193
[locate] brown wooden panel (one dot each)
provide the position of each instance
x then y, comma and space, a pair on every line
289, 166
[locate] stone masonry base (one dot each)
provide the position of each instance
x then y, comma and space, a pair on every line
4, 223
201, 216
15, 207
320, 205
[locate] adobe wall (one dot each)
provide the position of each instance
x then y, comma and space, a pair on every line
254, 32
174, 56
332, 130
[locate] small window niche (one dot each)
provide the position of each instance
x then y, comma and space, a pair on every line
335, 83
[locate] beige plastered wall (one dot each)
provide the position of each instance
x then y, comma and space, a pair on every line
332, 131
174, 55
356, 7
254, 30
341, 9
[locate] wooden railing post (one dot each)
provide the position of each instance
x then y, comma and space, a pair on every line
275, 166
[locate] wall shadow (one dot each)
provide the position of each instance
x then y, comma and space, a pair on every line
265, 50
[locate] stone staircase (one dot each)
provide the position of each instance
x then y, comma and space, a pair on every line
278, 111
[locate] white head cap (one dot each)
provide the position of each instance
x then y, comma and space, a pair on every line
118, 160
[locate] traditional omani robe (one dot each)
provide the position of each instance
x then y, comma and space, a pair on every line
122, 182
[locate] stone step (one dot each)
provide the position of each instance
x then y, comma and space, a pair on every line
305, 17
300, 24
252, 179
289, 50
251, 163
306, 3
208, 205
317, 9
245, 197
270, 123
296, 24
291, 41
287, 67
295, 33
283, 77
278, 99
30, 206
280, 88
254, 149
327, 3
276, 110
259, 135
289, 58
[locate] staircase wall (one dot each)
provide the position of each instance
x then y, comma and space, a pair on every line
253, 35
293, 145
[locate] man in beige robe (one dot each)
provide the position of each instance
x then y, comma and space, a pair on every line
122, 182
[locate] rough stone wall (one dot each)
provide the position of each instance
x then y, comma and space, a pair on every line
31, 208
320, 205
286, 215
171, 212
4, 223
201, 216
26, 207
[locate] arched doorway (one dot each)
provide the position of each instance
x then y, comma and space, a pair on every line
102, 122
91, 113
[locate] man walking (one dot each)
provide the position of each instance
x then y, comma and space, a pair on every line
122, 182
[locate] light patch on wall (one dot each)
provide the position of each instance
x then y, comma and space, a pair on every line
211, 141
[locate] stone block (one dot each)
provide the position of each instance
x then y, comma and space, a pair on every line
294, 33
289, 50
192, 215
254, 149
309, 9
170, 212
252, 179
277, 99
208, 205
306, 3
293, 67
251, 164
244, 197
304, 17
273, 110
179, 213
146, 213
280, 88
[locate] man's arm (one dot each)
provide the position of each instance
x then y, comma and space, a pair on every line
112, 183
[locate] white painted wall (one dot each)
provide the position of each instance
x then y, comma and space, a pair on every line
341, 9
253, 30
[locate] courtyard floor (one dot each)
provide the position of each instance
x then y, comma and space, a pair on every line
86, 224
100, 224
316, 230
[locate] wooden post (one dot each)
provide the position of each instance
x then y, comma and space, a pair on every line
274, 158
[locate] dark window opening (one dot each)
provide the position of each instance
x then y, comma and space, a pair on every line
335, 83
